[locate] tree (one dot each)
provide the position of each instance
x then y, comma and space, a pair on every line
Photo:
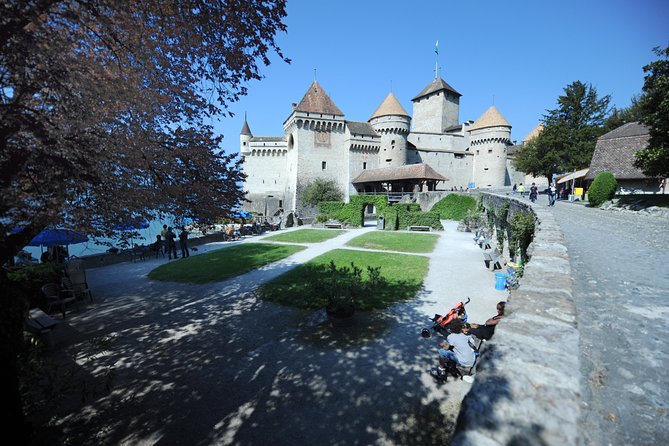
570, 133
103, 112
621, 116
654, 159
320, 190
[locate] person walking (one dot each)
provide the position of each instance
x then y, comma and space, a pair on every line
183, 242
521, 190
552, 195
533, 193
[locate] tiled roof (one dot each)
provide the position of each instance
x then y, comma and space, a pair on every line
615, 151
434, 86
245, 129
268, 139
534, 133
316, 100
491, 118
361, 128
390, 106
409, 172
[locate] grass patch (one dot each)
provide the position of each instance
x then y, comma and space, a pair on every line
392, 241
402, 278
454, 206
306, 236
222, 264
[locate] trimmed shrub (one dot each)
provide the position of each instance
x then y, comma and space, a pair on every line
602, 189
454, 207
352, 213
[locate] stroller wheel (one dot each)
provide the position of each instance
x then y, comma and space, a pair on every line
425, 333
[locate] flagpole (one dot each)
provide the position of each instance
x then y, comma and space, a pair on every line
436, 62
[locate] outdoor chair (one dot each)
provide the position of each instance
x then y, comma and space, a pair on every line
78, 290
52, 294
493, 259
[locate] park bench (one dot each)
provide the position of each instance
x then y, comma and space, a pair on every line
419, 228
493, 259
40, 324
334, 225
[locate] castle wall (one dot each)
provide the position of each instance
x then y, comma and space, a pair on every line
489, 148
265, 167
456, 166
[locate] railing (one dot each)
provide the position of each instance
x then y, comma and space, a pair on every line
393, 197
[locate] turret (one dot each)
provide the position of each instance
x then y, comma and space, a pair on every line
393, 123
490, 135
244, 138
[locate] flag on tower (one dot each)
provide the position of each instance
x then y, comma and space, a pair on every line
436, 48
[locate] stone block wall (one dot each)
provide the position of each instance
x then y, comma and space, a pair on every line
527, 387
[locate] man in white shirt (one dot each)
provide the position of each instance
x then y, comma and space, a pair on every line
455, 349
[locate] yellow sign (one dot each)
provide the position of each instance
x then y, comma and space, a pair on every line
578, 191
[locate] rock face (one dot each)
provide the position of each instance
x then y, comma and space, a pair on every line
527, 387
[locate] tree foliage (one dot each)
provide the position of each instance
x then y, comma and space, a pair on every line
320, 190
104, 119
105, 105
654, 104
622, 116
570, 133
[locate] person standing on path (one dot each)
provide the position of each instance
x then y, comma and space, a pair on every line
552, 195
521, 190
171, 243
183, 242
163, 235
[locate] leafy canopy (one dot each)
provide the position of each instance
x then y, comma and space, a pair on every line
654, 104
570, 133
105, 109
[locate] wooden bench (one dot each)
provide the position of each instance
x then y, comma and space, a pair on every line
419, 228
333, 225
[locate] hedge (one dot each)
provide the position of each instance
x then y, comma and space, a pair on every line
602, 189
454, 206
352, 213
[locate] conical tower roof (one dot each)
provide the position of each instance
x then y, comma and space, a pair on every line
534, 133
390, 106
245, 129
491, 118
436, 85
316, 100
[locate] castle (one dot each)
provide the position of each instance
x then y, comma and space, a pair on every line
318, 142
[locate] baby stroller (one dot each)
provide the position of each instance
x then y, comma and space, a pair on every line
441, 323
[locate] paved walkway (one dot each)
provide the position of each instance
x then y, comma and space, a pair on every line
212, 364
620, 267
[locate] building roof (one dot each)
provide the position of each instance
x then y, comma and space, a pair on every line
245, 129
390, 106
436, 85
268, 139
409, 172
361, 128
614, 152
572, 176
534, 132
491, 118
316, 100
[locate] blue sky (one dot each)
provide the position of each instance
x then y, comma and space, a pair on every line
521, 55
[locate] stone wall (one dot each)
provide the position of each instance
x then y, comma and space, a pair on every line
527, 388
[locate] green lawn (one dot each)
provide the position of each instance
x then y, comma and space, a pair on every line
306, 236
299, 287
396, 241
222, 264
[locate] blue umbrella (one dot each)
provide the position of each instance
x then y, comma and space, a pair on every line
242, 214
53, 237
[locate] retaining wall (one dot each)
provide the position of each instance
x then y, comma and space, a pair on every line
527, 388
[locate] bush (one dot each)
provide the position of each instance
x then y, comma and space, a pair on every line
454, 207
320, 190
602, 189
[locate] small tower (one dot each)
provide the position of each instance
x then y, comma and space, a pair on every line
244, 138
490, 134
393, 123
436, 108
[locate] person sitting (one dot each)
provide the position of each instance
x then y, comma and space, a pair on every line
486, 330
456, 350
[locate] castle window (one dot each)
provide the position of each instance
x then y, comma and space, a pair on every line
392, 142
389, 160
489, 150
244, 143
323, 165
459, 155
364, 165
280, 203
477, 151
485, 168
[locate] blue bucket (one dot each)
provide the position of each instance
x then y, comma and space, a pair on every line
500, 281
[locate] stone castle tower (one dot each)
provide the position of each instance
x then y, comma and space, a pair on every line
318, 142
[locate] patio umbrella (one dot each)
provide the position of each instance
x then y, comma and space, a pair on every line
241, 214
54, 237
131, 227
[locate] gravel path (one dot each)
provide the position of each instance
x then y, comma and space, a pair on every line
620, 265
